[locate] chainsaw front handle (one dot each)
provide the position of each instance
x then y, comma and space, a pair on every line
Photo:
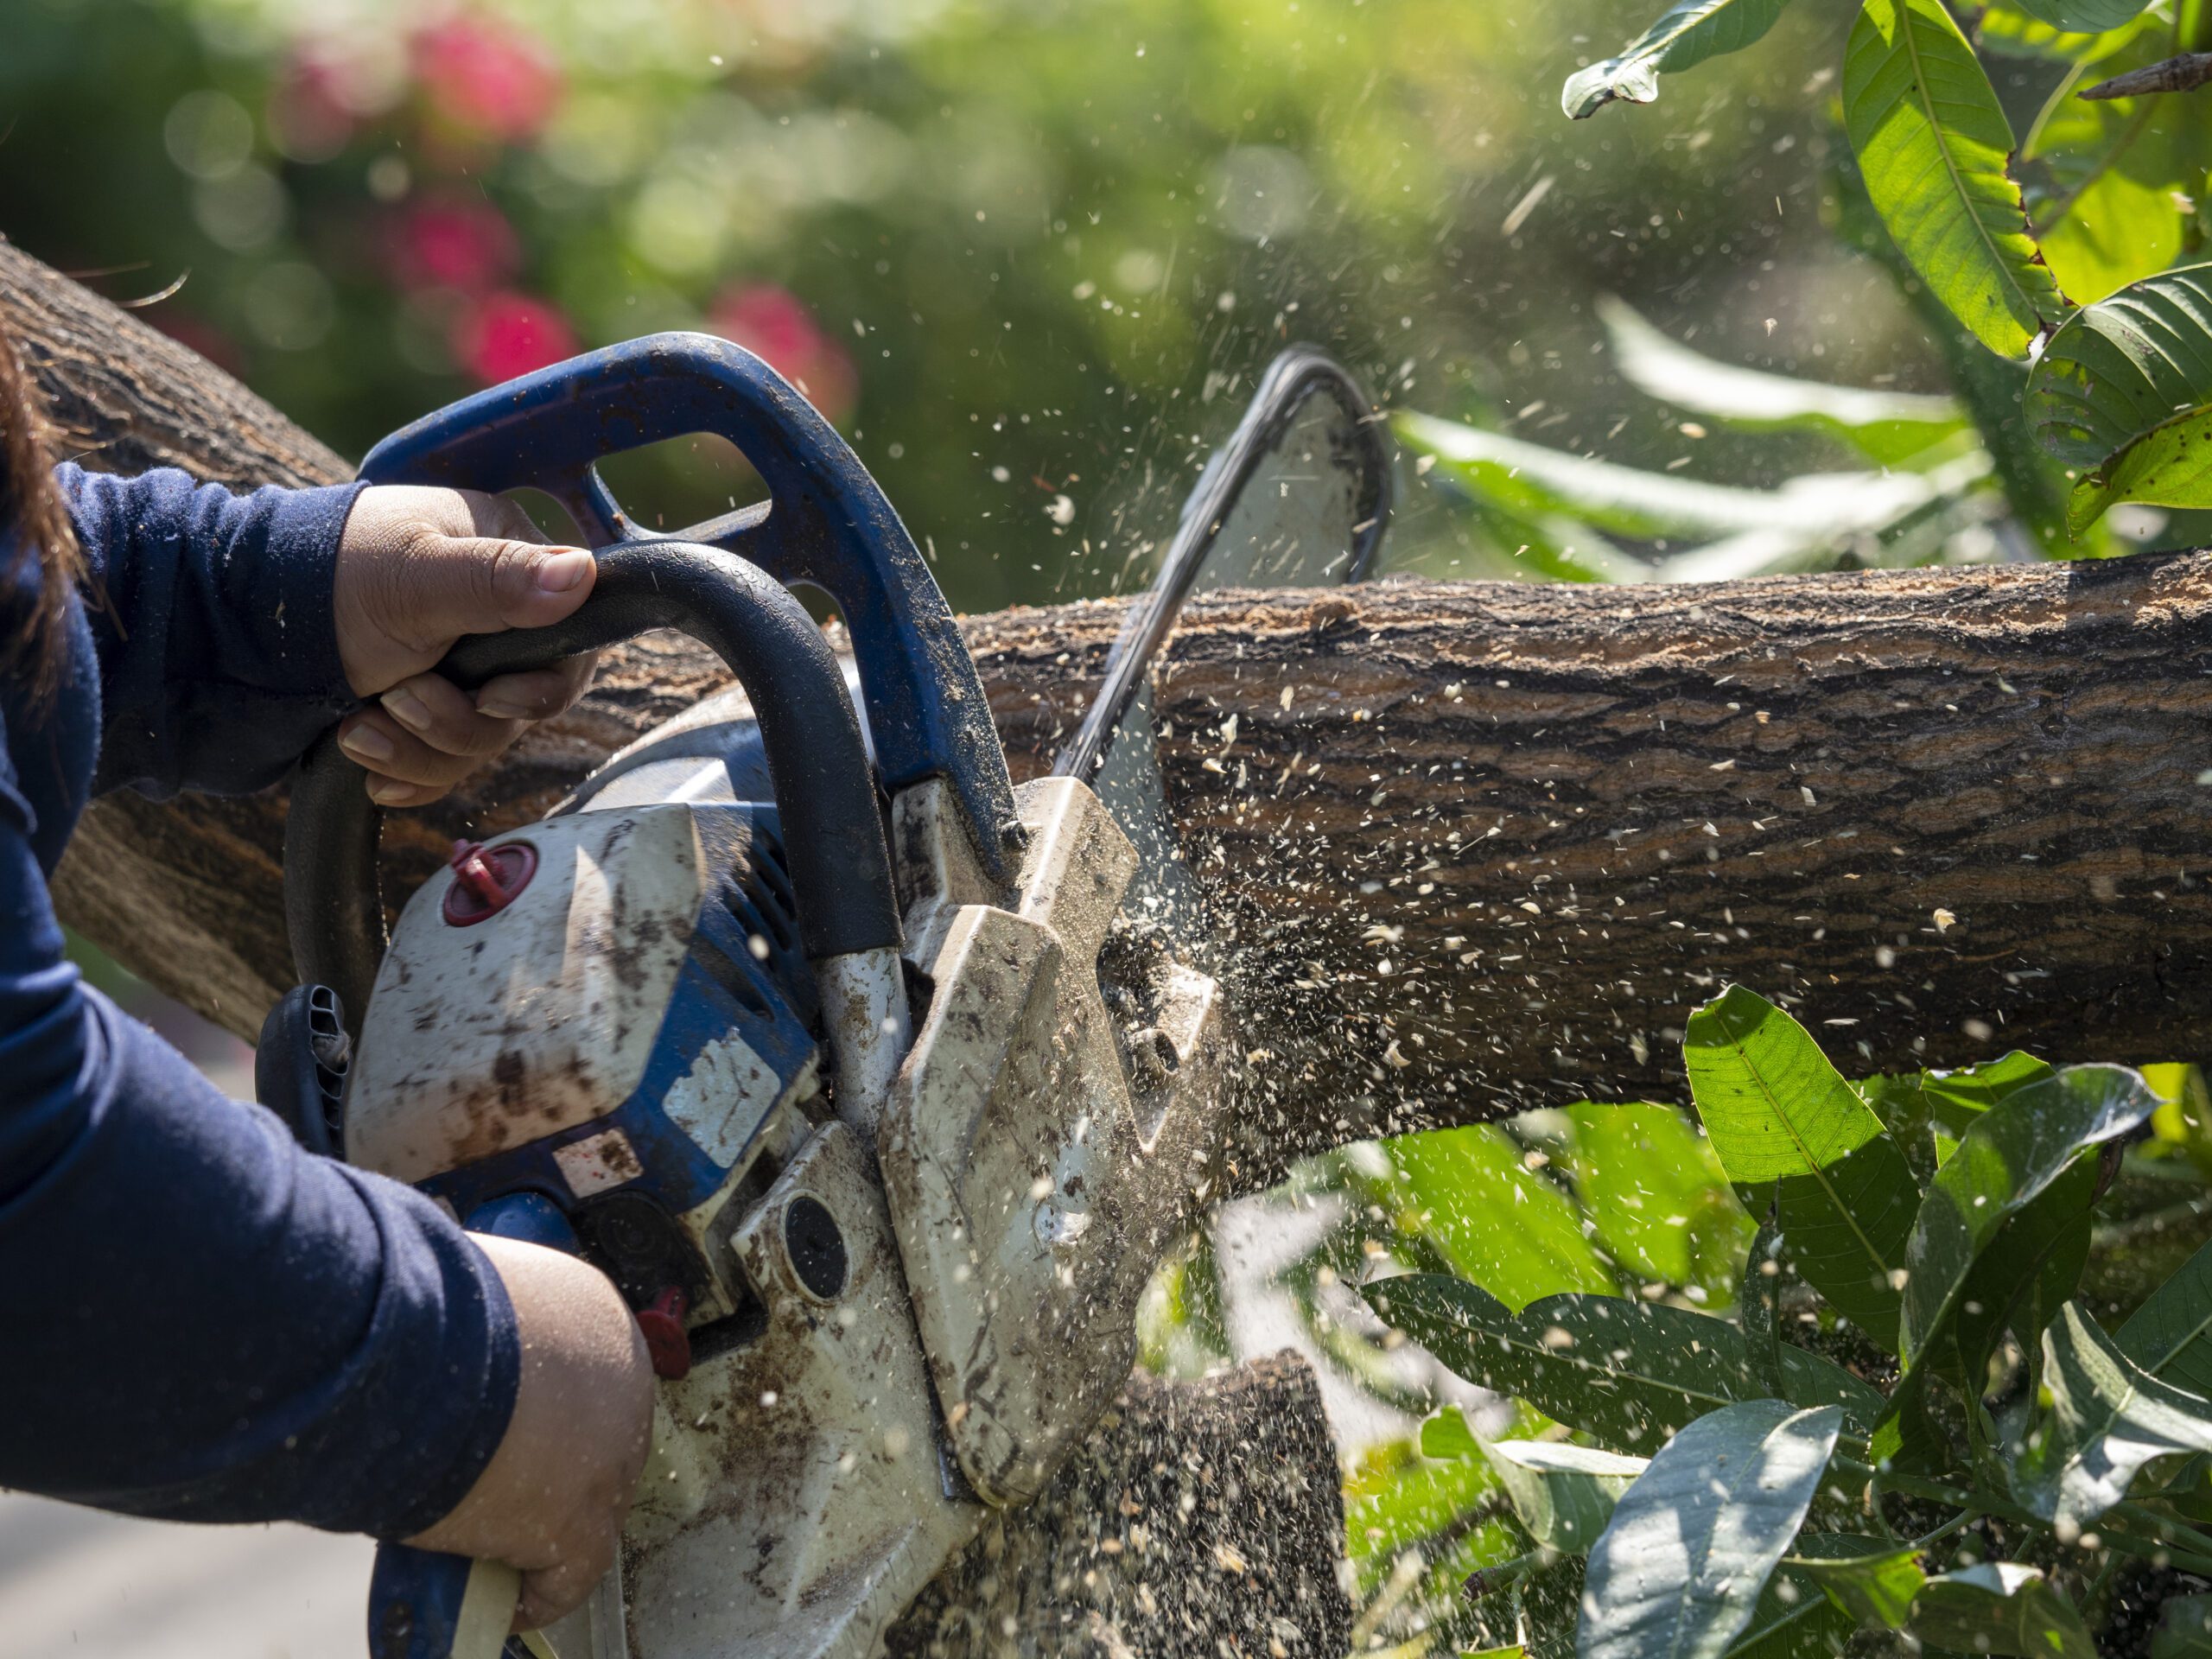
826, 523
825, 787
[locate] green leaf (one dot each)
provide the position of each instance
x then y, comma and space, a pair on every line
2170, 1335
2089, 17
2010, 1155
2169, 465
2000, 1607
1933, 145
2021, 1281
1395, 1501
1563, 1495
2108, 1417
2006, 30
2184, 1629
1957, 1097
1688, 33
1925, 1112
2111, 179
1873, 1579
1495, 1221
1890, 426
1530, 480
1769, 1100
1794, 1620
1445, 1435
1777, 1111
1810, 1379
1657, 1196
1624, 1372
1627, 1373
1680, 1568
1759, 1305
2124, 366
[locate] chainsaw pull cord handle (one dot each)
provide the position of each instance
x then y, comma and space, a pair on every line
826, 523
825, 787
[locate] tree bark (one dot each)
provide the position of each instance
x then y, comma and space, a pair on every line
1476, 847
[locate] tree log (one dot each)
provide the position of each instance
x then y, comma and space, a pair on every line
1479, 846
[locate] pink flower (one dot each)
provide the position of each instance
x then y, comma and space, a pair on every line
312, 111
487, 78
773, 324
509, 333
464, 243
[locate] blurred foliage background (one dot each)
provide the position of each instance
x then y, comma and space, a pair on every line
1016, 252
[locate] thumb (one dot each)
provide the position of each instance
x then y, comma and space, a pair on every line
483, 584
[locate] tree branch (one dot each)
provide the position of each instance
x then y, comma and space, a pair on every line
2183, 73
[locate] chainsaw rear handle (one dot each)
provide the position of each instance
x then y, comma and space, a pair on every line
825, 787
826, 523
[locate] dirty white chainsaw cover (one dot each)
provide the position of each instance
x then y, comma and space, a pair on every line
1035, 1176
540, 1024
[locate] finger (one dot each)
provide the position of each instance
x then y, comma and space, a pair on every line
452, 585
553, 1592
448, 718
537, 696
387, 750
499, 517
390, 792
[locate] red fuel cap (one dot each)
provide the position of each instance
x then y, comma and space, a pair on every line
486, 880
666, 1340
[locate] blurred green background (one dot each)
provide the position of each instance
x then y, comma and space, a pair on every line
1016, 252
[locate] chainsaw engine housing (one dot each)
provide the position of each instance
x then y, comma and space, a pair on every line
628, 1035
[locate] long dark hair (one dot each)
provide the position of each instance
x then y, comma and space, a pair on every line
32, 516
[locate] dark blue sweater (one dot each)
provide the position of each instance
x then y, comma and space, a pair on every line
197, 1318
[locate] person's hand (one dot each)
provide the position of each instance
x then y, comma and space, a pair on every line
417, 568
552, 1500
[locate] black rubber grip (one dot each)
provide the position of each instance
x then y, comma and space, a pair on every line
824, 784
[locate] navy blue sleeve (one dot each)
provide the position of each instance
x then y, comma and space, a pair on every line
212, 617
201, 1320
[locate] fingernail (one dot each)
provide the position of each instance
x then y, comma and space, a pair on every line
407, 708
366, 743
560, 573
497, 710
385, 791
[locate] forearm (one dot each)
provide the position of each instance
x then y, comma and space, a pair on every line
213, 620
201, 1320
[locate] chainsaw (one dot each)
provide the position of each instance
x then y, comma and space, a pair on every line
877, 1084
